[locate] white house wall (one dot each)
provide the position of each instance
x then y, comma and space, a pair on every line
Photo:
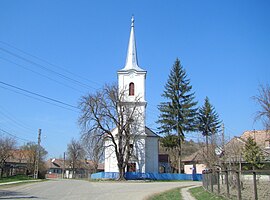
139, 154
151, 156
110, 158
188, 169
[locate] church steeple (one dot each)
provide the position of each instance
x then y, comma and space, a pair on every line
131, 60
131, 78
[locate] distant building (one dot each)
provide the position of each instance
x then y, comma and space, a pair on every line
232, 154
194, 164
164, 163
145, 148
17, 163
261, 137
233, 151
59, 168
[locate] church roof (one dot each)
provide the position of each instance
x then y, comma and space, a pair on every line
131, 60
150, 133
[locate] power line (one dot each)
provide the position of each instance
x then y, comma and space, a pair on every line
232, 130
39, 95
40, 74
150, 107
49, 63
41, 100
6, 132
15, 121
47, 69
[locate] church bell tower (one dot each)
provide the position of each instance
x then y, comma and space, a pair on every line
131, 79
131, 90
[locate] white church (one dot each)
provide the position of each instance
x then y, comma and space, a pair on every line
145, 155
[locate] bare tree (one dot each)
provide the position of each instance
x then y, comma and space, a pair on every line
7, 145
116, 120
263, 99
30, 151
75, 154
232, 154
93, 145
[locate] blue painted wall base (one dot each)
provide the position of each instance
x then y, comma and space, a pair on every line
147, 176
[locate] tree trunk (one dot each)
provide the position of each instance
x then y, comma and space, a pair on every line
206, 141
121, 174
96, 167
179, 156
207, 150
2, 172
179, 148
179, 161
121, 168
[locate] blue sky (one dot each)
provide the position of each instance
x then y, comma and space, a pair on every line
223, 45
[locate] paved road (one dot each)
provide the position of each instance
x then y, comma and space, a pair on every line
79, 190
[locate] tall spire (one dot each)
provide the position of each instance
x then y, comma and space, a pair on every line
131, 60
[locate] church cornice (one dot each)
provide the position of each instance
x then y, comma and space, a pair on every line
130, 71
138, 103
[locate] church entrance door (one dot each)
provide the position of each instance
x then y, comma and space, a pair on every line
131, 167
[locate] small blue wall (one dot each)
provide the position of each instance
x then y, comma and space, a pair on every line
147, 176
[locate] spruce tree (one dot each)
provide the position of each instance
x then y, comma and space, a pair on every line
208, 121
178, 112
253, 154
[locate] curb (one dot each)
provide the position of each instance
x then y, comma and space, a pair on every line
15, 182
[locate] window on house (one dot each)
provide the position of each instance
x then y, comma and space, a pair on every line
131, 89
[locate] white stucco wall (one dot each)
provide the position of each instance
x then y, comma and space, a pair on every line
138, 156
199, 168
151, 157
110, 163
138, 78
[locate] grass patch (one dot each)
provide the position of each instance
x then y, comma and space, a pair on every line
173, 194
200, 194
15, 178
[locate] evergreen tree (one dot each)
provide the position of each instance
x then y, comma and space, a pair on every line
178, 113
169, 141
253, 154
208, 122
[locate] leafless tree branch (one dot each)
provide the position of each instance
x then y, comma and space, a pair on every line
107, 111
263, 99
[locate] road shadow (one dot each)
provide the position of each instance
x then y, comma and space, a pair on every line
6, 194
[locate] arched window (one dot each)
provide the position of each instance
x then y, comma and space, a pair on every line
131, 89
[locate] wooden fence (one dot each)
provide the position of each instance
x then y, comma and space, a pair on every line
239, 185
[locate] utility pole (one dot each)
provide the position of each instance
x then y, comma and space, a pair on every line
38, 155
223, 144
223, 137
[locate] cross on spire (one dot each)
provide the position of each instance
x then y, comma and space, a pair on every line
132, 21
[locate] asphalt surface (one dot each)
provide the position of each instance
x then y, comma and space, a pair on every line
80, 189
